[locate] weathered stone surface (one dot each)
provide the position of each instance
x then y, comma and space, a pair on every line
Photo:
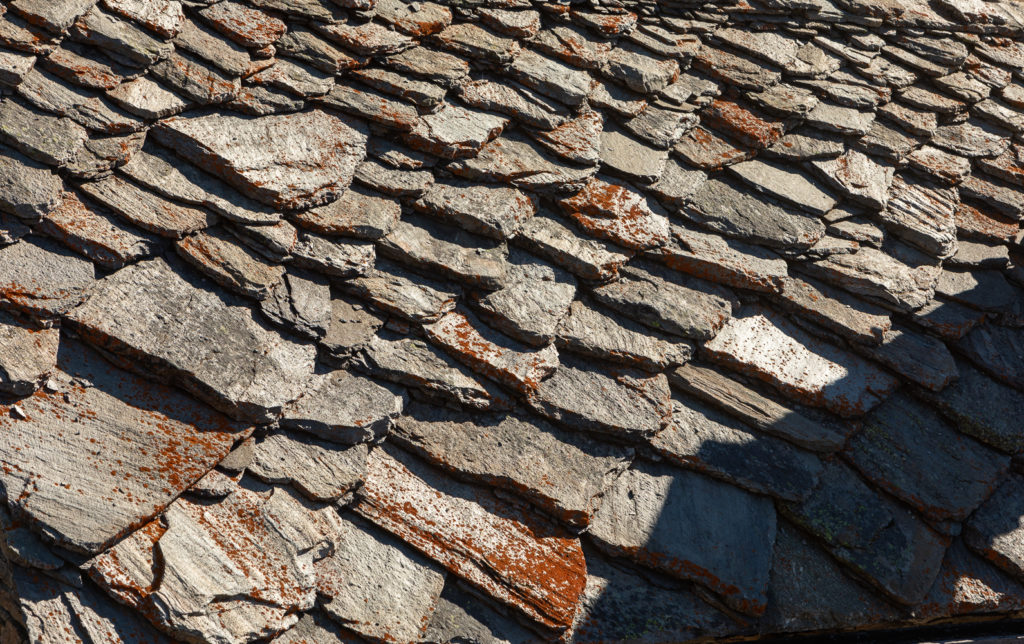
454, 132
874, 274
765, 345
996, 350
421, 243
573, 45
61, 440
423, 94
915, 356
785, 100
351, 327
14, 66
304, 45
288, 161
94, 234
471, 342
315, 627
667, 301
784, 183
561, 473
147, 210
535, 298
625, 155
968, 585
516, 160
638, 70
436, 66
460, 613
592, 332
43, 137
201, 41
153, 317
1006, 199
677, 183
417, 364
733, 70
275, 242
27, 355
57, 16
333, 257
299, 304
727, 209
994, 531
513, 100
1008, 166
375, 586
837, 118
344, 408
395, 290
804, 145
742, 124
395, 182
588, 258
621, 605
321, 471
971, 139
923, 214
835, 310
28, 189
247, 26
357, 213
514, 556
221, 579
856, 176
623, 403
692, 527
120, 37
373, 106
194, 80
219, 256
617, 214
881, 541
908, 450
366, 39
707, 150
42, 278
947, 168
707, 440
949, 320
494, 211
551, 78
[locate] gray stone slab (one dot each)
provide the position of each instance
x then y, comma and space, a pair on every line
996, 350
784, 183
994, 531
28, 189
27, 355
319, 470
42, 278
344, 408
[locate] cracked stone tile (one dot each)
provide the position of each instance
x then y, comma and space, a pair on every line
546, 235
722, 261
374, 585
147, 99
623, 102
858, 177
638, 70
886, 142
784, 183
14, 66
707, 440
269, 371
572, 45
622, 403
768, 347
120, 37
275, 242
95, 234
994, 530
395, 290
417, 364
320, 471
422, 20
563, 474
518, 24
705, 149
835, 310
1004, 198
288, 161
577, 140
970, 139
55, 16
513, 100
735, 71
668, 301
350, 328
948, 168
260, 572
551, 78
315, 627
908, 450
919, 122
625, 155
218, 255
677, 183
344, 408
43, 279
436, 66
454, 132
669, 519
224, 54
304, 45
473, 41
194, 80
843, 120
165, 442
300, 305
494, 211
785, 100
742, 124
513, 555
979, 255
55, 141
246, 26
334, 257
661, 126
27, 355
395, 182
1008, 166
515, 159
532, 303
884, 543
366, 39
996, 112
468, 340
997, 351
28, 189
356, 213
874, 274
145, 209
291, 77
923, 214
726, 209
949, 320
985, 290
425, 95
617, 214
967, 584
373, 106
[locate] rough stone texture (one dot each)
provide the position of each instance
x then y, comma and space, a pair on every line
588, 258
58, 477
94, 234
994, 530
321, 471
881, 277
42, 278
692, 527
858, 177
287, 161
561, 473
344, 408
765, 345
132, 309
27, 355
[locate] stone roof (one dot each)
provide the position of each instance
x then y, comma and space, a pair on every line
509, 320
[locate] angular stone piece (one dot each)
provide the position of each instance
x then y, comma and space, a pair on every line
844, 120
514, 556
146, 210
624, 154
742, 124
43, 137
591, 332
452, 252
356, 213
94, 234
971, 139
321, 471
333, 257
667, 301
588, 258
255, 373
344, 408
705, 149
247, 26
220, 257
551, 78
563, 474
494, 211
724, 208
62, 439
638, 70
765, 345
835, 310
371, 105
27, 355
708, 441
194, 80
856, 176
923, 214
28, 189
882, 541
395, 290
299, 304
617, 214
56, 16
994, 531
996, 350
693, 527
375, 586
120, 37
512, 100
436, 66
460, 613
1006, 199
517, 160
946, 167
622, 403
908, 450
288, 161
42, 278
920, 358
879, 276
145, 98
784, 183
454, 132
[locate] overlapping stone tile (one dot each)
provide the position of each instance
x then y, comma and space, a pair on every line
321, 471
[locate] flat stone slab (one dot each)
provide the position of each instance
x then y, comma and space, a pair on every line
344, 408
58, 471
765, 345
564, 474
692, 527
288, 161
996, 350
995, 532
95, 234
494, 211
27, 355
320, 471
617, 214
784, 183
547, 236
42, 278
907, 449
923, 214
879, 276
169, 327
512, 555
858, 177
28, 189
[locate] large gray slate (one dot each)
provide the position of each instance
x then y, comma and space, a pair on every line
344, 408
176, 330
321, 471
